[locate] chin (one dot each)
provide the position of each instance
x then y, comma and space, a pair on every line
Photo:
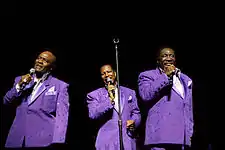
37, 70
40, 71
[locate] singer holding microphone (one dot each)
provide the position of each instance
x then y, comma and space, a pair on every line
167, 93
103, 107
42, 107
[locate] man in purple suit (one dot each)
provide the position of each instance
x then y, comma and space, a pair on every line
168, 96
103, 106
42, 107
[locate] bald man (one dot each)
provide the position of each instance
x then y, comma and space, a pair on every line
42, 106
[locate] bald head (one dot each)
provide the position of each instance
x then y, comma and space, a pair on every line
50, 55
45, 62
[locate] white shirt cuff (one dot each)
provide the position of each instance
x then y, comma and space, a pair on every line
17, 87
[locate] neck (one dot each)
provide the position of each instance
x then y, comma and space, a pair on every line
42, 76
39, 75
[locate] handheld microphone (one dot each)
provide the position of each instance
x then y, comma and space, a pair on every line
112, 91
109, 80
32, 71
24, 83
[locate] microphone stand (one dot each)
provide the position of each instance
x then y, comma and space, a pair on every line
116, 41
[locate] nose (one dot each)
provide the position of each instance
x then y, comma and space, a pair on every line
106, 74
169, 58
40, 60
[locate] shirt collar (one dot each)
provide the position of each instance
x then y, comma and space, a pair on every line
42, 78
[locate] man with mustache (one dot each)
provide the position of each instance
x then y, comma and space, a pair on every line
167, 93
42, 103
103, 107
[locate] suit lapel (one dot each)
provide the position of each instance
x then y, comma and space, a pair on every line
30, 85
122, 99
185, 85
41, 89
176, 90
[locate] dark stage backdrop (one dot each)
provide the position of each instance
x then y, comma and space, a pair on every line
80, 52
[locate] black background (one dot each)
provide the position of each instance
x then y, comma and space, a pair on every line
82, 39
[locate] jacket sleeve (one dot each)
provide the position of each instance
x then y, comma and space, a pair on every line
97, 108
190, 110
136, 116
149, 85
62, 115
12, 94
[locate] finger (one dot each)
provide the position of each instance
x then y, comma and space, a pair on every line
173, 67
27, 77
130, 124
25, 80
130, 127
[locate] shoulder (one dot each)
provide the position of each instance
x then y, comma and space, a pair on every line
186, 77
95, 94
148, 73
18, 78
126, 89
98, 90
59, 82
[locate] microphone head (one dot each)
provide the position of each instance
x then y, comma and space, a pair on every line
32, 71
109, 80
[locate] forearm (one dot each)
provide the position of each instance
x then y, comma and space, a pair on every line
96, 110
61, 120
150, 88
12, 95
61, 123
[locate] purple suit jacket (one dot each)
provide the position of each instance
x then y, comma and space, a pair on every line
100, 108
42, 122
170, 117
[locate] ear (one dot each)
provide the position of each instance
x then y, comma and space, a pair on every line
114, 73
158, 62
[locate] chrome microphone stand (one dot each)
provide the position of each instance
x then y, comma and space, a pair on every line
116, 41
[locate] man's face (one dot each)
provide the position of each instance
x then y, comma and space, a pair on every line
107, 72
44, 61
166, 57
